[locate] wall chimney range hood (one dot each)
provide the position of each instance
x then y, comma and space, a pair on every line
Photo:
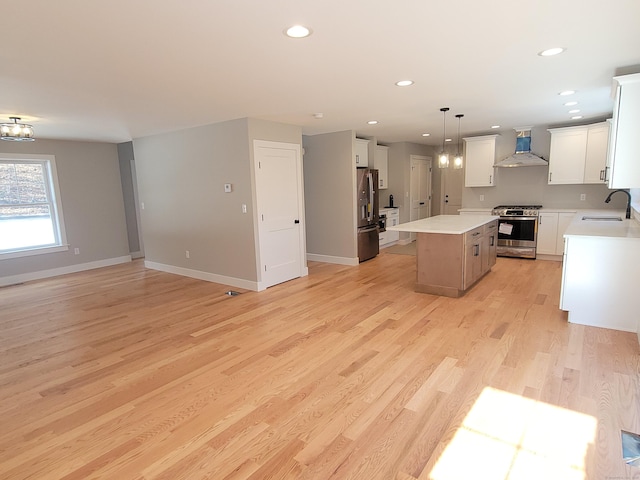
523, 156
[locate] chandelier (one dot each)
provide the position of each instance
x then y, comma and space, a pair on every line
16, 132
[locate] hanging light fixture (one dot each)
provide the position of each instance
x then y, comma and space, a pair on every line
457, 160
16, 132
443, 157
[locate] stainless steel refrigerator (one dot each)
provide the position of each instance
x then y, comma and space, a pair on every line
368, 243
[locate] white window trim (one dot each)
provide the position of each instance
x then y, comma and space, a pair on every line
55, 194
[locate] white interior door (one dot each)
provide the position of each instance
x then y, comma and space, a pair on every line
420, 189
278, 171
451, 188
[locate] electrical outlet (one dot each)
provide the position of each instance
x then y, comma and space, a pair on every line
187, 254
244, 208
583, 196
76, 251
482, 198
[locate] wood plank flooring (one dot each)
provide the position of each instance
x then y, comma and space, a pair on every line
128, 373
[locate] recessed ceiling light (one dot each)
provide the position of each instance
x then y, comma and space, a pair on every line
575, 110
318, 115
447, 139
550, 52
372, 122
570, 104
495, 126
426, 134
297, 31
576, 117
404, 83
567, 92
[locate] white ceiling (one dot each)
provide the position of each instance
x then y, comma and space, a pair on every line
114, 70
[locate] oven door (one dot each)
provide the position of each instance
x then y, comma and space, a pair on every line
517, 231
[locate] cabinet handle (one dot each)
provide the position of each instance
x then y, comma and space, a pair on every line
606, 171
539, 220
601, 174
550, 173
476, 250
475, 234
490, 179
357, 158
492, 241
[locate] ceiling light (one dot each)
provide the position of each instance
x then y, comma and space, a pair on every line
426, 134
318, 115
447, 139
372, 122
576, 117
457, 160
495, 126
575, 110
297, 31
550, 52
404, 83
570, 104
567, 92
443, 157
16, 132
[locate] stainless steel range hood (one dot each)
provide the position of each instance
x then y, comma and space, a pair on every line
523, 156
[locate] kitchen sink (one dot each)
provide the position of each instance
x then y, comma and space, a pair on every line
602, 219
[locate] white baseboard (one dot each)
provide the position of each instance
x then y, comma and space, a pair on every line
404, 241
543, 256
209, 277
312, 257
54, 272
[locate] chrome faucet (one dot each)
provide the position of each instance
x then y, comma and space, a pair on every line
628, 201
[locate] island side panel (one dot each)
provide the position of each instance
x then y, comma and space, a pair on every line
439, 264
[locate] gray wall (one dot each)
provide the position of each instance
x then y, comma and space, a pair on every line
400, 174
329, 185
126, 158
181, 177
529, 184
91, 196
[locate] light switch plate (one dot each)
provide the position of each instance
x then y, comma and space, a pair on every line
227, 188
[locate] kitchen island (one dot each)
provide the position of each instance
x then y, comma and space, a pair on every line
452, 251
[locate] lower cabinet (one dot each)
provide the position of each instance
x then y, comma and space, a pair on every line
450, 264
551, 228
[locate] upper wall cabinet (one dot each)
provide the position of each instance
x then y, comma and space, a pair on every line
381, 163
480, 156
362, 152
578, 154
623, 167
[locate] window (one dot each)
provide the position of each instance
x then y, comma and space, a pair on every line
30, 211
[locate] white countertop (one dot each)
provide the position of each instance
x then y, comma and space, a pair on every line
612, 229
449, 224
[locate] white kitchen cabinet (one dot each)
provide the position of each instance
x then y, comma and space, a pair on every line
596, 156
564, 219
381, 163
551, 228
362, 152
547, 233
479, 158
599, 285
567, 155
623, 167
578, 154
389, 238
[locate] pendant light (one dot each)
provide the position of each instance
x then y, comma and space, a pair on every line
16, 132
443, 158
457, 160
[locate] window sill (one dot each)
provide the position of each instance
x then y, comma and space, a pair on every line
33, 251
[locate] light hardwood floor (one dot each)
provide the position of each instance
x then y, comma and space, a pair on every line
127, 373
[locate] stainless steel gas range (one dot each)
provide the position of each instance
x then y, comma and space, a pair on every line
517, 230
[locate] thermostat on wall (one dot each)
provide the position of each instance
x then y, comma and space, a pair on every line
227, 188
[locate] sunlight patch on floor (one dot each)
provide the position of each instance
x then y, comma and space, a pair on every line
506, 436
